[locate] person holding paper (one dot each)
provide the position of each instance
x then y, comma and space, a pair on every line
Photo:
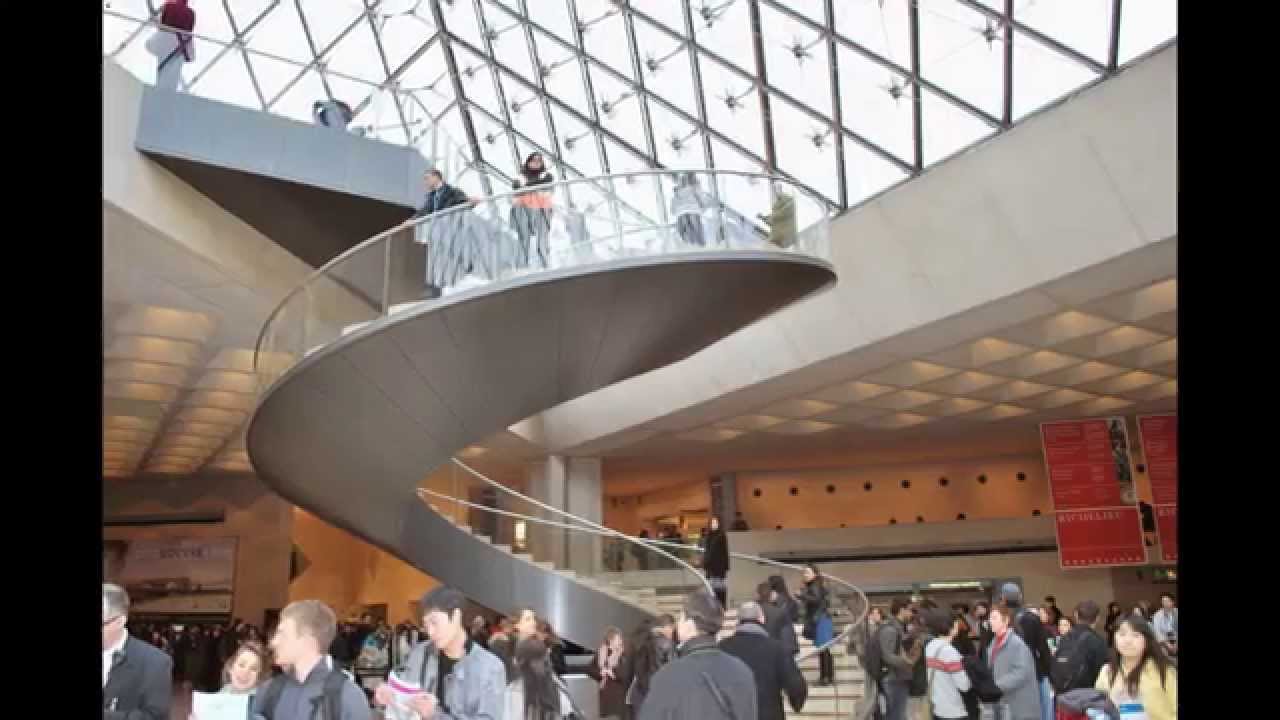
242, 674
458, 679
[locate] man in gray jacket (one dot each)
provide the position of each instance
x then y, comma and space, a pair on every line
705, 682
459, 678
895, 683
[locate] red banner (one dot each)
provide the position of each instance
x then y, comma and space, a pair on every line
1088, 464
1160, 445
1097, 538
1167, 526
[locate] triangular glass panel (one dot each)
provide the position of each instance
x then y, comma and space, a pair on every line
427, 80
605, 39
667, 14
728, 158
526, 114
280, 33
298, 101
273, 75
881, 27
460, 20
553, 17
876, 103
1082, 25
563, 77
136, 9
356, 54
213, 22
962, 51
679, 143
796, 60
403, 34
244, 13
353, 92
378, 116
1144, 24
811, 9
618, 106
227, 80
327, 19
866, 173
577, 143
132, 56
947, 128
733, 108
805, 148
477, 81
1042, 75
724, 28
664, 65
511, 49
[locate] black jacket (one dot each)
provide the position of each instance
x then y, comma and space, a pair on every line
704, 683
715, 559
815, 599
613, 693
1083, 639
140, 686
780, 623
774, 669
1034, 635
441, 199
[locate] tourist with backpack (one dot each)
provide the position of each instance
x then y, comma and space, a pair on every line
1081, 652
891, 667
310, 688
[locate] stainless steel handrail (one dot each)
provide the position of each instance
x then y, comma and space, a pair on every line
415, 221
602, 530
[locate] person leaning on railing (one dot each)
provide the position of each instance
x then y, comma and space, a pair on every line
447, 252
531, 211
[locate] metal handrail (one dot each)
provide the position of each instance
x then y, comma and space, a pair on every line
597, 529
466, 207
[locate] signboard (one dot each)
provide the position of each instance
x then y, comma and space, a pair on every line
1160, 445
1088, 463
180, 576
1092, 485
1097, 538
1167, 527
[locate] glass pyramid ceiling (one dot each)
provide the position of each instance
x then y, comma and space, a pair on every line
845, 97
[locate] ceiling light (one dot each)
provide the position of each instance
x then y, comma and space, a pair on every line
750, 422
852, 392
710, 435
153, 349
797, 408
910, 374
902, 400
800, 427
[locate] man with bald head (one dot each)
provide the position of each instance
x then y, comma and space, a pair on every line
136, 677
774, 668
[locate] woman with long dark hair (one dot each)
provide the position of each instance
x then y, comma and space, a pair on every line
715, 559
535, 693
817, 620
1139, 678
555, 646
611, 668
531, 211
646, 659
1114, 616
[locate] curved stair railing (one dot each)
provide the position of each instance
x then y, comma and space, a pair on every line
392, 358
854, 599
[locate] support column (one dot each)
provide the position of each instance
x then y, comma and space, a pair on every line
585, 496
724, 498
575, 486
547, 484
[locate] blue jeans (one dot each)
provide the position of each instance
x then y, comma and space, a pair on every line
897, 695
1046, 700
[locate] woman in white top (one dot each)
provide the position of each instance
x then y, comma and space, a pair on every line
947, 677
536, 693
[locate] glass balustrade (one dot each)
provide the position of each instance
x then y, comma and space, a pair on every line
556, 227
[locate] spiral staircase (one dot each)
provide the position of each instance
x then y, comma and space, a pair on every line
399, 353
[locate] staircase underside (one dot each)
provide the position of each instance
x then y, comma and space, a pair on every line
351, 431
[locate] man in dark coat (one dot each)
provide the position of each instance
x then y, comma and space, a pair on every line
1081, 653
781, 615
715, 559
137, 682
774, 668
704, 682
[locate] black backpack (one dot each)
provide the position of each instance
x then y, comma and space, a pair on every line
919, 684
981, 679
1069, 665
331, 697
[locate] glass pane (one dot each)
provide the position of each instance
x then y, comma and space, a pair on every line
511, 49
477, 81
618, 106
297, 101
280, 33
605, 39
116, 31
796, 60
867, 96
402, 34
554, 17
724, 27
679, 143
1145, 24
962, 51
947, 128
245, 12
805, 148
866, 173
460, 19
666, 68
273, 75
732, 106
1082, 25
227, 80
577, 143
1042, 75
882, 27
136, 9
356, 54
380, 119
428, 80
327, 19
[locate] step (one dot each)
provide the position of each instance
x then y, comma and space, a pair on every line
844, 675
841, 661
348, 329
820, 704
401, 307
503, 548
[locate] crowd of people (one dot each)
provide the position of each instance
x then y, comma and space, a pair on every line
920, 661
1028, 663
